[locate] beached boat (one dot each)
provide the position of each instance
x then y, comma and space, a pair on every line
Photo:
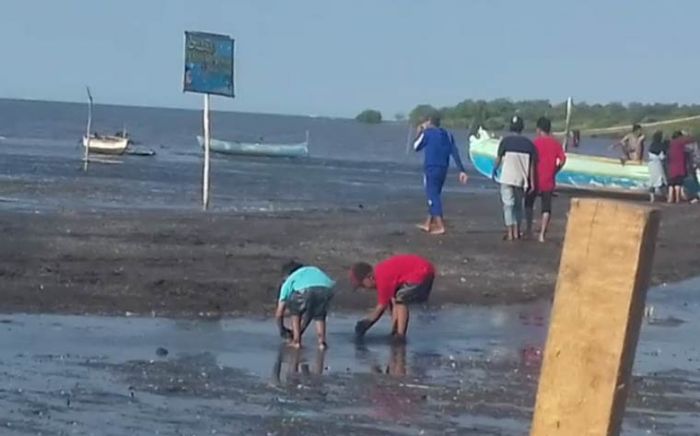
258, 148
580, 172
106, 144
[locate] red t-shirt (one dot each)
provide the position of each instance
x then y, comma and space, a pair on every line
549, 152
397, 271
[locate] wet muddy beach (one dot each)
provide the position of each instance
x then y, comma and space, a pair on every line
126, 310
469, 370
186, 264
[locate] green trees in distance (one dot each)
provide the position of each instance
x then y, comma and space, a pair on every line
369, 116
496, 114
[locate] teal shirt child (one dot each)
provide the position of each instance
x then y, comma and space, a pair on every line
303, 279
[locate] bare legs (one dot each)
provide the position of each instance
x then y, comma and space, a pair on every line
400, 317
321, 334
674, 194
433, 225
546, 216
296, 331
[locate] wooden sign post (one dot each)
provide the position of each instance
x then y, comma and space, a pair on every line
596, 318
206, 180
209, 62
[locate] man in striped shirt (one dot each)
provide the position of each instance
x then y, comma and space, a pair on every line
518, 156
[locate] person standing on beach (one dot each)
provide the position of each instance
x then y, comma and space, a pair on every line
518, 156
437, 145
677, 165
632, 145
400, 281
306, 293
550, 160
657, 157
692, 184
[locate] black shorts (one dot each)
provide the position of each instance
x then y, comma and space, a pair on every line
414, 294
676, 181
546, 201
311, 304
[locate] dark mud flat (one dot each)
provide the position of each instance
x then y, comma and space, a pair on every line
181, 263
464, 371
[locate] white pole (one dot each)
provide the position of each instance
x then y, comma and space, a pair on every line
86, 143
207, 142
567, 128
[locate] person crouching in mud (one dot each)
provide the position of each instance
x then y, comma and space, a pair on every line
306, 293
437, 145
400, 281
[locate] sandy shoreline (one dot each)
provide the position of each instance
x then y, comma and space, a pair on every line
185, 264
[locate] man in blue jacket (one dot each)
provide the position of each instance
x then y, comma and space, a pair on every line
438, 145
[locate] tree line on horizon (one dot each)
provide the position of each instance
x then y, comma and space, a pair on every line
496, 114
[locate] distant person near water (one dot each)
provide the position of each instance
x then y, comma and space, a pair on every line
400, 281
692, 184
632, 145
438, 145
518, 156
550, 160
658, 149
306, 293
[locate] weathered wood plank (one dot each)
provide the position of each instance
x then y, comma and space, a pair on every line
596, 318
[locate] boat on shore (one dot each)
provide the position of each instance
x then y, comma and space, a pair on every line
581, 171
300, 149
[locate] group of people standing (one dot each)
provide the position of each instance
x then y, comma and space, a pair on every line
673, 165
528, 169
528, 172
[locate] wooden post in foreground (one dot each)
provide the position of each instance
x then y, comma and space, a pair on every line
596, 318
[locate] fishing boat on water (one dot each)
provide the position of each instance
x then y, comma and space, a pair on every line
580, 171
114, 145
102, 144
267, 149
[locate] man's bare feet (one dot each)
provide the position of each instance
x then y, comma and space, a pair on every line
423, 227
438, 231
541, 238
295, 345
322, 346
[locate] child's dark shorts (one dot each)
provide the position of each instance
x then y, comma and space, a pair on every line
415, 294
312, 304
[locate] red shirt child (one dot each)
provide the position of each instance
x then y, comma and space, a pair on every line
397, 271
400, 280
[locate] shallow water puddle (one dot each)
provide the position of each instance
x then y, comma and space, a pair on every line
465, 371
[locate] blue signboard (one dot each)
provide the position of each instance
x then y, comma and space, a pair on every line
209, 64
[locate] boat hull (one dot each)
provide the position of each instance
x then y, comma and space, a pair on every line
113, 145
579, 172
257, 149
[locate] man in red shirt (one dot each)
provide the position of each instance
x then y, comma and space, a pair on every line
400, 280
550, 160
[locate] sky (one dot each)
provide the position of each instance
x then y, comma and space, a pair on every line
337, 57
